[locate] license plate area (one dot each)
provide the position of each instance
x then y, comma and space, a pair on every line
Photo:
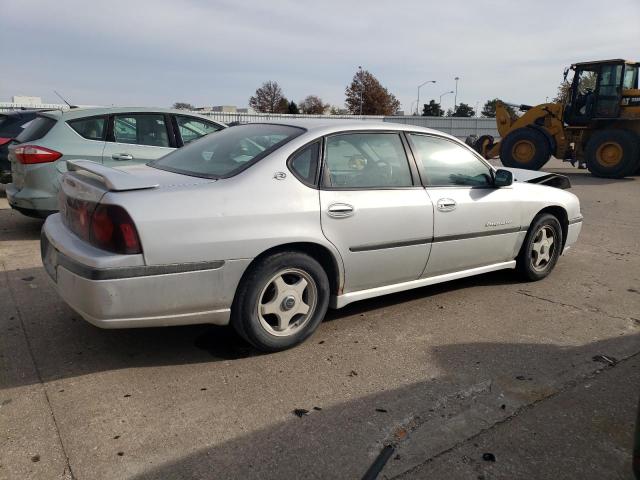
49, 257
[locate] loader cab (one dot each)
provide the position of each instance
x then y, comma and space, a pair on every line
596, 91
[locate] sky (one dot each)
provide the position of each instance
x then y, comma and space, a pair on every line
217, 52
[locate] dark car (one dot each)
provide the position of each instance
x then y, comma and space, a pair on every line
11, 125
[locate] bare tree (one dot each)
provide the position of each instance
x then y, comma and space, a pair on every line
313, 105
367, 96
268, 98
183, 106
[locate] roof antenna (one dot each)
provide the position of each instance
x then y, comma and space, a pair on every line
62, 98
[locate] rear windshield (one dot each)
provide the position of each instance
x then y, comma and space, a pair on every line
12, 125
228, 152
37, 129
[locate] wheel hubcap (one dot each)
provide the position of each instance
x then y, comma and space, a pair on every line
542, 248
523, 151
287, 302
609, 154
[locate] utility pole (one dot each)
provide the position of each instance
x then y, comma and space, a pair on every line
455, 98
418, 101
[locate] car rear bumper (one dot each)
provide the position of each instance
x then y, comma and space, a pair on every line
138, 295
30, 202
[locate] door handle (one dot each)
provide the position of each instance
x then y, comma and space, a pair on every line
340, 210
446, 204
122, 156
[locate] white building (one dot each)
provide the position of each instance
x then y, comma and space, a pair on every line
23, 99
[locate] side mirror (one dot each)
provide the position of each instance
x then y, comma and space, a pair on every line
503, 178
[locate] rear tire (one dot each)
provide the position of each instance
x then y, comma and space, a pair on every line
526, 148
281, 301
613, 153
541, 248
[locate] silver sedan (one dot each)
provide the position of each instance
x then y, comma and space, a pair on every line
265, 226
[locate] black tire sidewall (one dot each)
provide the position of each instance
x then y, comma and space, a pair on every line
541, 156
630, 157
524, 262
244, 317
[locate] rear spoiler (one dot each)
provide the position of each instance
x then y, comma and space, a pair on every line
115, 180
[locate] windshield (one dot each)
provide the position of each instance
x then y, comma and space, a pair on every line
228, 152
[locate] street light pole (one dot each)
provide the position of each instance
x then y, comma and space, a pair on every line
418, 101
445, 93
455, 98
440, 100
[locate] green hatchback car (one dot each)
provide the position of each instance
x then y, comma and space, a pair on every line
111, 136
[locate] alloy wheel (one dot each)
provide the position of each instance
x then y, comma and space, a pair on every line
287, 302
542, 248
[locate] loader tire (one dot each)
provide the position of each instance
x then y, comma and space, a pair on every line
613, 153
525, 148
480, 143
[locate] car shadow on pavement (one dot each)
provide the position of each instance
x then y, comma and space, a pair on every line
482, 384
65, 346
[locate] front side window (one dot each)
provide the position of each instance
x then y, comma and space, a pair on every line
444, 163
366, 160
192, 128
141, 129
229, 151
90, 128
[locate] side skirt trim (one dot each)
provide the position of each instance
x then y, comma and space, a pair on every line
340, 301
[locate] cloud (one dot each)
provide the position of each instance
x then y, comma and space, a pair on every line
218, 52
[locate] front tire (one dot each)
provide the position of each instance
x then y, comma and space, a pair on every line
541, 248
526, 148
281, 301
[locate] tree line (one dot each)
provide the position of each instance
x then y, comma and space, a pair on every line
365, 95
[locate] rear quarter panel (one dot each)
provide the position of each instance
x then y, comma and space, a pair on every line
235, 218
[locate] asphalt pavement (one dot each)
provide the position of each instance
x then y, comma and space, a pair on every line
482, 378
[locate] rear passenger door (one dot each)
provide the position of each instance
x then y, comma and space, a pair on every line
374, 210
138, 138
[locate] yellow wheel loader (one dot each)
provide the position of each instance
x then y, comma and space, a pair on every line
598, 124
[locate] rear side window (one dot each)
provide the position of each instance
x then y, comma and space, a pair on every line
304, 164
192, 128
92, 128
37, 129
141, 129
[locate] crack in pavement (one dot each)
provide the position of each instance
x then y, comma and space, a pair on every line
569, 305
520, 410
37, 369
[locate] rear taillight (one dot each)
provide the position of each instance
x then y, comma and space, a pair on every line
108, 227
112, 229
30, 154
4, 140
